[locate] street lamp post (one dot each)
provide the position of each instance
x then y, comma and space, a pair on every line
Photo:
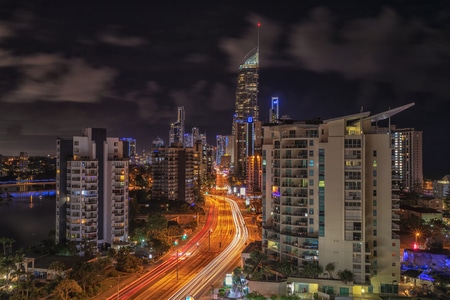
417, 235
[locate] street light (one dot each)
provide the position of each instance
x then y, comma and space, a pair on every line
417, 235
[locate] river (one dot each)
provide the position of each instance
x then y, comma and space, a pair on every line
28, 217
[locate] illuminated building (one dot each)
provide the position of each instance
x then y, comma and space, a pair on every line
173, 173
131, 144
246, 114
176, 133
91, 189
225, 147
408, 158
330, 196
441, 187
274, 113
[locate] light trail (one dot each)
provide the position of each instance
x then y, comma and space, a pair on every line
203, 280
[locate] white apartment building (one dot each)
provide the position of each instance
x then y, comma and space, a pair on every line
330, 195
91, 189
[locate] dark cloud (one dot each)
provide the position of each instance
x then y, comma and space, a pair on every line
387, 48
113, 38
66, 66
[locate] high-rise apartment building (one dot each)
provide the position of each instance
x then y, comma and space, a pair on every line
246, 114
408, 157
130, 143
173, 173
224, 147
91, 189
330, 196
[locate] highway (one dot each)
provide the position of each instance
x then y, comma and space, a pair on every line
193, 268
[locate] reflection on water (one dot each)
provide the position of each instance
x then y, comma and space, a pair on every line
27, 217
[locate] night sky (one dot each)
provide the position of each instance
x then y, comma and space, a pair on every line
127, 66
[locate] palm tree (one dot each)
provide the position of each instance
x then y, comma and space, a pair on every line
4, 241
312, 270
330, 269
8, 265
285, 268
345, 276
11, 242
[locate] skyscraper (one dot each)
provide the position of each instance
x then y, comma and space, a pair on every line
246, 112
330, 197
408, 157
173, 173
91, 189
176, 133
274, 113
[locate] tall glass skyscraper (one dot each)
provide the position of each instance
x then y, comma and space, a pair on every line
246, 113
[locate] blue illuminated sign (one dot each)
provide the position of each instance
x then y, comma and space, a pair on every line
250, 120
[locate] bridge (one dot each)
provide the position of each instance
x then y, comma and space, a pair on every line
27, 185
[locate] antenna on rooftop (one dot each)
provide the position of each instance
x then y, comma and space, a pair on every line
257, 49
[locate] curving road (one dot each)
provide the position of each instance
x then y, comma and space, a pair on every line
203, 261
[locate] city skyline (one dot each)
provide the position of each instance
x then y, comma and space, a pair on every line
127, 68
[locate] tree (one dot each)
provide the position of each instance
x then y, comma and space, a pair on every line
127, 262
254, 264
312, 270
58, 269
285, 268
156, 222
265, 271
4, 241
26, 287
9, 265
345, 276
86, 274
66, 288
330, 269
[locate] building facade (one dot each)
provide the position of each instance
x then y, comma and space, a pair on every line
330, 197
408, 157
246, 113
173, 173
91, 189
177, 130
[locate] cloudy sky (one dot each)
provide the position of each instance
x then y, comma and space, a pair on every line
127, 66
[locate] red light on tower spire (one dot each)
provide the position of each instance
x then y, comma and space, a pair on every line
259, 24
